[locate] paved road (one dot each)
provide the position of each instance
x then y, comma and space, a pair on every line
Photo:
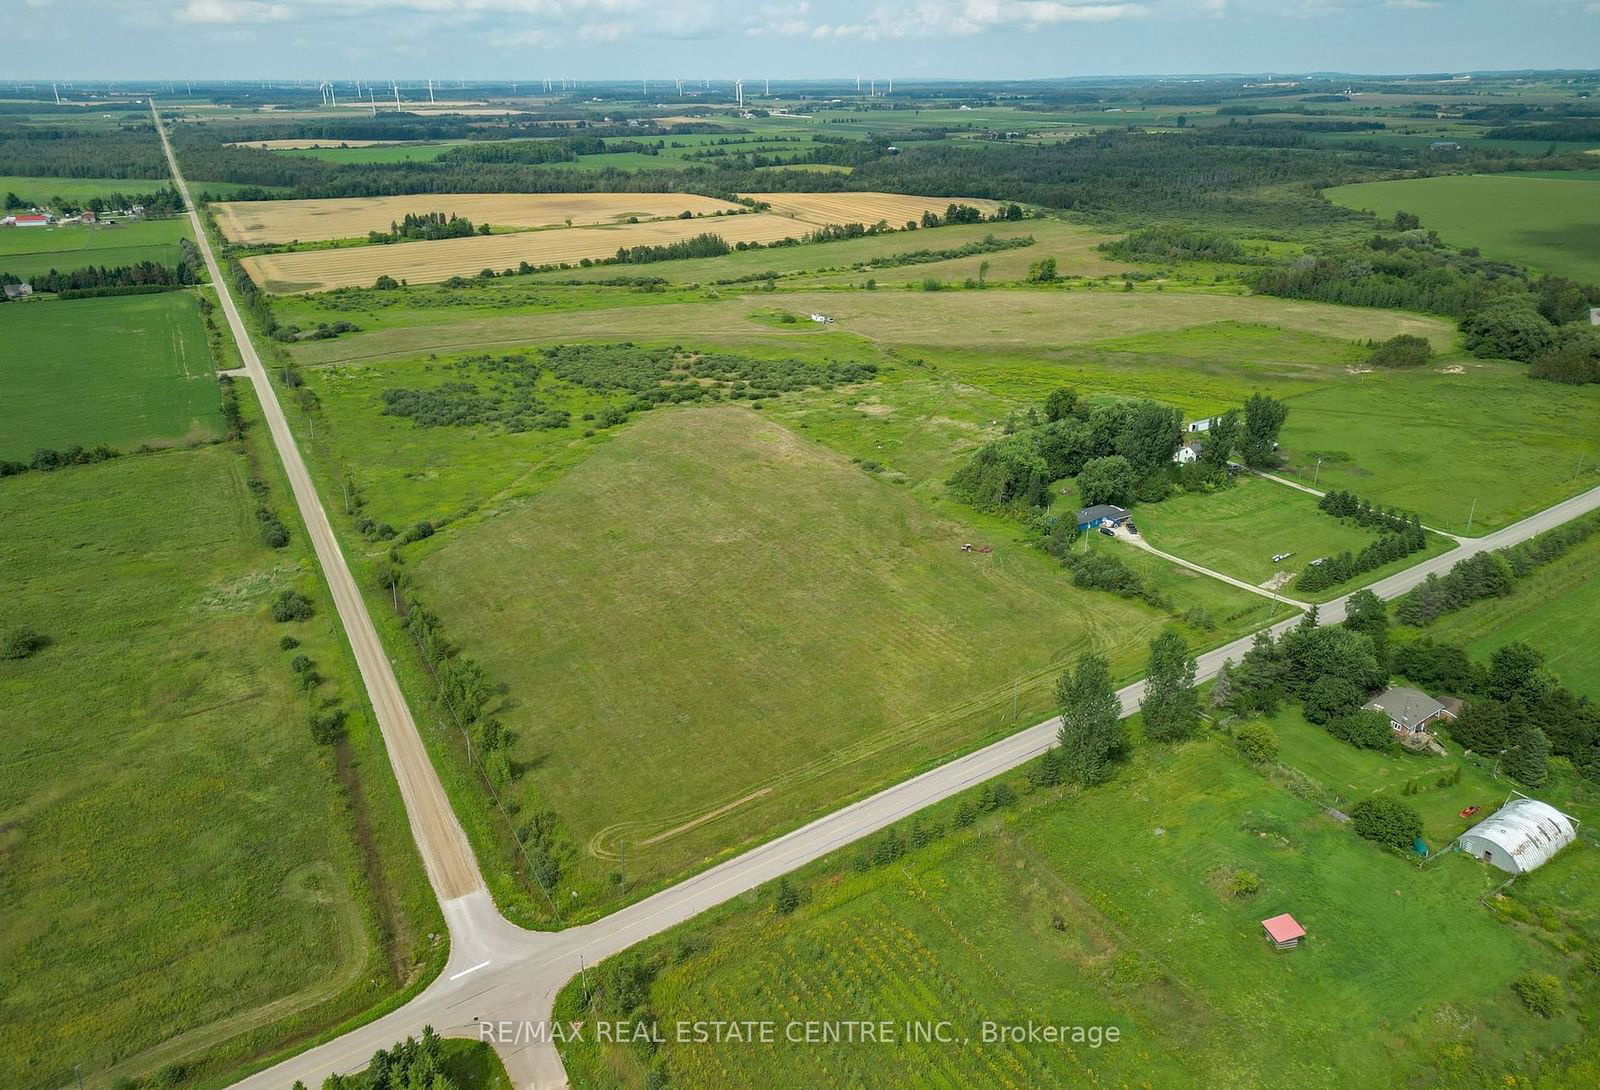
446, 855
501, 979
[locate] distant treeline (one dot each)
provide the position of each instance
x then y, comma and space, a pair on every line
103, 280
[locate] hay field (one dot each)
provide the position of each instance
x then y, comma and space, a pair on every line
310, 220
896, 208
425, 262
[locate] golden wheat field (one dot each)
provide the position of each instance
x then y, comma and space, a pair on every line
869, 208
429, 262
352, 217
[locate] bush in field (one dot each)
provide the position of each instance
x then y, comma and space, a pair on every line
327, 725
22, 643
291, 605
1510, 329
1539, 992
1387, 821
1402, 350
1258, 742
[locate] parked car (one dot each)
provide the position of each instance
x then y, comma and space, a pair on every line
1132, 529
1108, 531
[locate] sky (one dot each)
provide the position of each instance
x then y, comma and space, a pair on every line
754, 39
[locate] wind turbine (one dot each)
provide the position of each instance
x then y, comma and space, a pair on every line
56, 91
395, 87
738, 89
430, 91
768, 92
333, 98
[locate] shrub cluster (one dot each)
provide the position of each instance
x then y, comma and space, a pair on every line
45, 460
424, 226
1386, 820
1401, 350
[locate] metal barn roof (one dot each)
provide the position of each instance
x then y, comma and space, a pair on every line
1527, 830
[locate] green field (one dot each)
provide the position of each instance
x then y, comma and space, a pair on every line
1556, 609
124, 370
188, 877
380, 153
1239, 531
1546, 223
37, 190
34, 251
710, 581
1107, 908
1488, 442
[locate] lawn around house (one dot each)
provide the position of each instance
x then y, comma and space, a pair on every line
1108, 907
189, 877
1239, 530
708, 581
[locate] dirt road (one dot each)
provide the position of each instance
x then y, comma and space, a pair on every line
448, 857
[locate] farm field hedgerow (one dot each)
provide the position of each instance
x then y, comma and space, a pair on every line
1547, 223
123, 371
1109, 908
708, 581
182, 881
353, 217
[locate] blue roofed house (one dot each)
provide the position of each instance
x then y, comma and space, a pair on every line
1102, 514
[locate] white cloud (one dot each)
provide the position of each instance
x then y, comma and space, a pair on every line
234, 11
948, 19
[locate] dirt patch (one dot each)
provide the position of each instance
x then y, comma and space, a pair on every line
1452, 369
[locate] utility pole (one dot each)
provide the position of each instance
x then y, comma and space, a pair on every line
1318, 474
1470, 513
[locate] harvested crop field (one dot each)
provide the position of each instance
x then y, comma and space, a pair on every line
427, 262
896, 208
311, 220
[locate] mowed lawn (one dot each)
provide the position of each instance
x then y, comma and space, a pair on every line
711, 629
1556, 609
1489, 443
1109, 908
125, 370
33, 251
1547, 223
1239, 530
177, 862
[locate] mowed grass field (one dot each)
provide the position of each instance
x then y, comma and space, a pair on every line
188, 878
1488, 443
1238, 531
307, 220
1547, 223
710, 582
33, 251
1556, 610
124, 370
1108, 907
1054, 330
425, 262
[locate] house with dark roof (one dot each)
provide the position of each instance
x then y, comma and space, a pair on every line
1102, 514
1410, 712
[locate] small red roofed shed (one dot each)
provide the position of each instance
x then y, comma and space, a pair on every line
1284, 932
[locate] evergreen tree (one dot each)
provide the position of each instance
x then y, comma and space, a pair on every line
1365, 613
1091, 731
1171, 706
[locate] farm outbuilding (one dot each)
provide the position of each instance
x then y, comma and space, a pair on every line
1284, 932
1521, 835
1102, 514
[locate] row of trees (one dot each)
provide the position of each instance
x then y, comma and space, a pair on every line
1490, 574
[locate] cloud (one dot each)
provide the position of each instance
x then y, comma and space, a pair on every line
947, 19
227, 12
